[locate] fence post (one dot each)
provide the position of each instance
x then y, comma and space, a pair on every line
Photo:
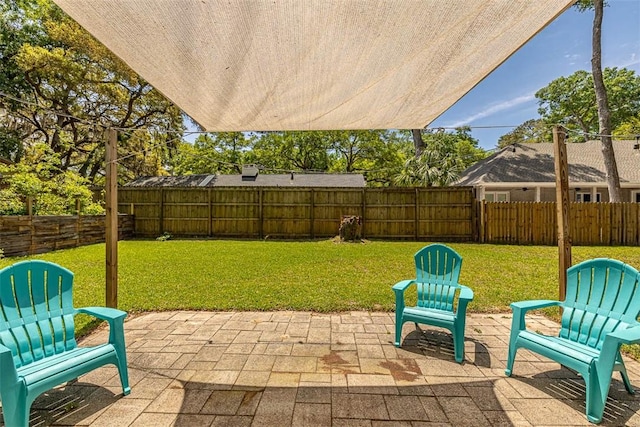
210, 225
30, 206
312, 215
417, 214
562, 209
161, 213
260, 215
482, 208
364, 209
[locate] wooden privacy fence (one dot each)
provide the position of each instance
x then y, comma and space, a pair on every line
532, 223
444, 214
28, 235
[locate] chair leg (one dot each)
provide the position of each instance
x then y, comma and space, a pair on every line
458, 345
510, 359
623, 372
124, 378
116, 338
594, 401
625, 380
15, 411
399, 323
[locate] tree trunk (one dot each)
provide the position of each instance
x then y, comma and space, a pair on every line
418, 142
613, 179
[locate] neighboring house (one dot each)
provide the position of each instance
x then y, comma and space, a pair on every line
526, 172
251, 177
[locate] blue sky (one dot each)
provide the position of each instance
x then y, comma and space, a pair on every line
506, 96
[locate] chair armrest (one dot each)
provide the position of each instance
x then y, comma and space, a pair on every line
115, 318
399, 289
626, 336
104, 313
520, 308
464, 298
466, 293
402, 285
533, 304
8, 373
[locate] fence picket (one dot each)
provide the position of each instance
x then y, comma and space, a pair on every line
430, 214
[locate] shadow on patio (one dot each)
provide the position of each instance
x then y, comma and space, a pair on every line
293, 368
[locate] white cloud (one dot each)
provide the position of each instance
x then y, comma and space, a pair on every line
633, 60
494, 109
573, 58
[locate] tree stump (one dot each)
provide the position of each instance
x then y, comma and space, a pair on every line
350, 228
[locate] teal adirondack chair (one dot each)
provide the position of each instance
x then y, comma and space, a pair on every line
38, 350
441, 300
599, 314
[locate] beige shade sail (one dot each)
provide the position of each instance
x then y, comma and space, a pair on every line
313, 64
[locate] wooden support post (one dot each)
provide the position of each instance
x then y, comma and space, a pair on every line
111, 226
562, 209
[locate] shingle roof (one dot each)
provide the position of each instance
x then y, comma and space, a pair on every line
261, 180
535, 163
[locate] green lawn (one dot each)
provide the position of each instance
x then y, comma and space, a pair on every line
318, 276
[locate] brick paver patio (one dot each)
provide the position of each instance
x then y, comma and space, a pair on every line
309, 369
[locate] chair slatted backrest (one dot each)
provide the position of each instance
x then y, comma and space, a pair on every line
37, 310
437, 273
602, 296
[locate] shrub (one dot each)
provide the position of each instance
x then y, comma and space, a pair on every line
54, 192
10, 203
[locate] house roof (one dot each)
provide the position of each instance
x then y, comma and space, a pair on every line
531, 162
260, 180
313, 65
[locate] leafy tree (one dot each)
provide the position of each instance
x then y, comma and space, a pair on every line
289, 150
10, 144
571, 100
603, 101
223, 152
39, 177
363, 150
533, 130
444, 157
604, 113
628, 129
68, 83
418, 141
378, 154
